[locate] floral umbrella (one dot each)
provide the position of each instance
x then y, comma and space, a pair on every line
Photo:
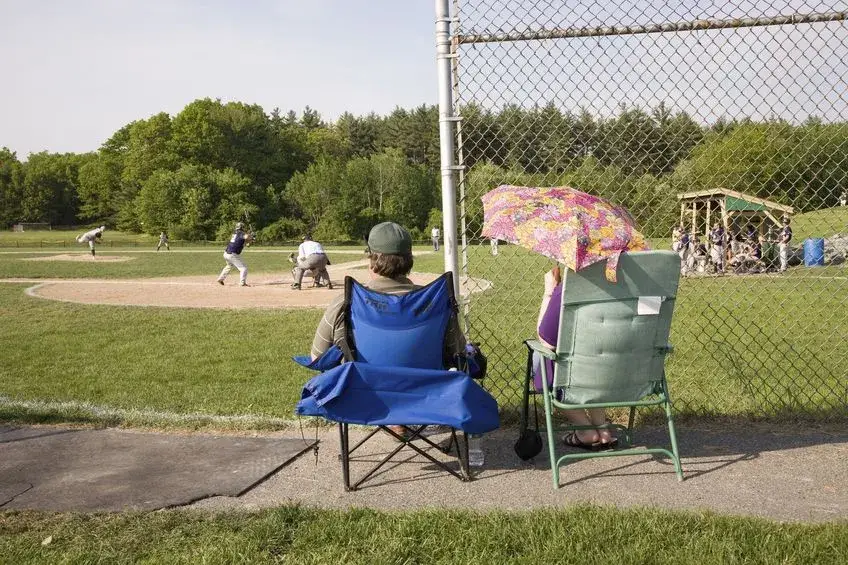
572, 227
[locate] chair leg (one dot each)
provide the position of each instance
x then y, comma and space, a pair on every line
549, 426
672, 434
415, 434
525, 406
343, 439
630, 426
462, 454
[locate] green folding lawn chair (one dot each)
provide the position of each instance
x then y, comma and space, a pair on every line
611, 349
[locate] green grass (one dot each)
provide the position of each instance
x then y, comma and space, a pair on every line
207, 361
580, 534
753, 347
162, 264
67, 238
820, 223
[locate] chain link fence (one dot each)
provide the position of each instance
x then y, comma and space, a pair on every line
690, 114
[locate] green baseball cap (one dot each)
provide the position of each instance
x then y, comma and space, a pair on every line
390, 238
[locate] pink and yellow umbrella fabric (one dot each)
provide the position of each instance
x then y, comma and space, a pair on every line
565, 224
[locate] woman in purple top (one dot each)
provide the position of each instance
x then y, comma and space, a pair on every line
548, 330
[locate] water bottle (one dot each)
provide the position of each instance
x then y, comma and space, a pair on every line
476, 457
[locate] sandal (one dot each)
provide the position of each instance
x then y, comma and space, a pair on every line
572, 440
603, 446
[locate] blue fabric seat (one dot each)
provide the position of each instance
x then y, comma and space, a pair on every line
395, 373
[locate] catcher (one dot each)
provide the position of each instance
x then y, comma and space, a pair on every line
316, 276
310, 257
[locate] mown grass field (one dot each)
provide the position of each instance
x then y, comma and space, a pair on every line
152, 264
66, 239
753, 346
580, 534
189, 363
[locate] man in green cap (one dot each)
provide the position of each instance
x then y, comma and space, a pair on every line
390, 253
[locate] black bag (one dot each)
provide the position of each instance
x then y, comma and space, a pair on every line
529, 443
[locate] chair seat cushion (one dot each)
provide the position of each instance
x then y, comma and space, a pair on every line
361, 393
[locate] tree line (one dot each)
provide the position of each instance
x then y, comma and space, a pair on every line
213, 163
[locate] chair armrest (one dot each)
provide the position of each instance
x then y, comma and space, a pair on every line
543, 350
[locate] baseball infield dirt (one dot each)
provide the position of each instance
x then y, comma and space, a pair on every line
265, 291
86, 257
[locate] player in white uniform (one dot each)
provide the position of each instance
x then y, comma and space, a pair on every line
311, 257
163, 240
785, 236
680, 244
92, 237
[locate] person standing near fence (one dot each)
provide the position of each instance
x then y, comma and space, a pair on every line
680, 244
91, 238
232, 255
717, 254
434, 235
163, 240
784, 237
311, 257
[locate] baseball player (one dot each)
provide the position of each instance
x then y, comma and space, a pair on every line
680, 244
92, 237
163, 240
434, 236
717, 247
784, 236
232, 255
311, 257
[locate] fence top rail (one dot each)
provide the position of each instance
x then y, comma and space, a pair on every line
666, 27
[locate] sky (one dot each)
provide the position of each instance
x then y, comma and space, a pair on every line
75, 71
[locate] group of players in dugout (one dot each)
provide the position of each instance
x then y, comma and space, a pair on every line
741, 252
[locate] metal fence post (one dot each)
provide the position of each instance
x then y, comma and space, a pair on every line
444, 55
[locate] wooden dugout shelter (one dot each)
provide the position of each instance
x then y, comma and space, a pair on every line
733, 209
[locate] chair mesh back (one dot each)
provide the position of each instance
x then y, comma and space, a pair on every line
401, 331
611, 352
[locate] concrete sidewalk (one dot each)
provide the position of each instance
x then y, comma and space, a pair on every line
784, 474
73, 469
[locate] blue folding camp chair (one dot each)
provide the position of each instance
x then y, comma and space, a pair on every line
396, 374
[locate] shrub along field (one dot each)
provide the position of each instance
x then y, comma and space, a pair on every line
744, 346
